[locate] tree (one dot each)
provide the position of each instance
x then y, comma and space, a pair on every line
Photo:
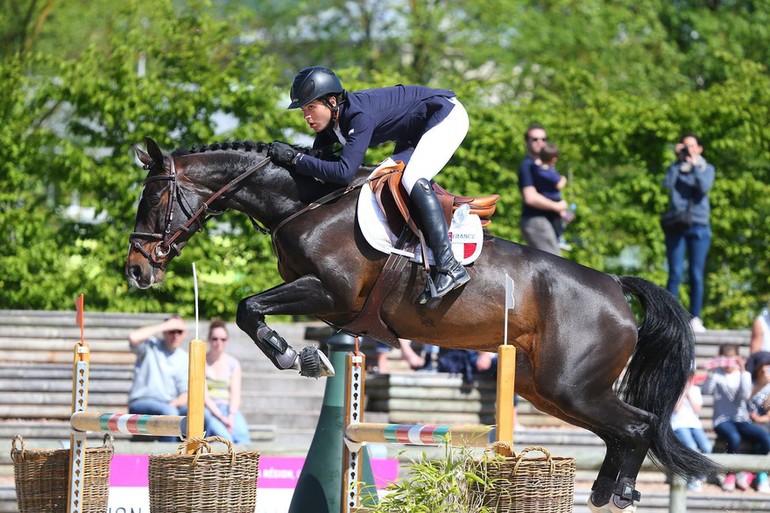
102, 104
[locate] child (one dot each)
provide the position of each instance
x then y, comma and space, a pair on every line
549, 183
685, 422
730, 384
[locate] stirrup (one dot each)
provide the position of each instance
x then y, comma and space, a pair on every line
432, 291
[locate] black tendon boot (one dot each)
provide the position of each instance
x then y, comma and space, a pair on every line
449, 273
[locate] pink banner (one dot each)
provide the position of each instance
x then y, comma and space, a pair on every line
274, 471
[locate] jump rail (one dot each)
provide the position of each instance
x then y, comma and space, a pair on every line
475, 436
130, 424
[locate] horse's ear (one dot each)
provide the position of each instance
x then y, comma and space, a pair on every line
154, 150
143, 156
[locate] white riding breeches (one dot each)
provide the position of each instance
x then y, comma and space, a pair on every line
436, 146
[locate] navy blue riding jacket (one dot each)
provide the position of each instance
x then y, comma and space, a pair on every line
367, 118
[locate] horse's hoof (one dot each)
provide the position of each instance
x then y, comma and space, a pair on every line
624, 496
615, 508
314, 363
598, 509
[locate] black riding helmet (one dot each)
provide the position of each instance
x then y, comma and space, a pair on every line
313, 83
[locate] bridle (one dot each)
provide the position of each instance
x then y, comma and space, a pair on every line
167, 242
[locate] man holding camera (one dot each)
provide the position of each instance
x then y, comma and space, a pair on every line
689, 179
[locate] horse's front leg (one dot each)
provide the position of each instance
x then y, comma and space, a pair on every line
305, 295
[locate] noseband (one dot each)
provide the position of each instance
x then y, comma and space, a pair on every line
167, 242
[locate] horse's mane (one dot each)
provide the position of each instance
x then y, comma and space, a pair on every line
258, 147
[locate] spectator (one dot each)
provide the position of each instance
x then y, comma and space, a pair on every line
760, 332
758, 365
730, 385
460, 361
161, 371
686, 423
689, 180
223, 386
549, 183
537, 209
425, 360
381, 366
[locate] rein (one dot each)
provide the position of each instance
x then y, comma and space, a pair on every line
167, 240
312, 206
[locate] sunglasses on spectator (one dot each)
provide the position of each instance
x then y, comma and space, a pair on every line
538, 138
216, 339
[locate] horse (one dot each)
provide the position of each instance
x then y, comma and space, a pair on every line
574, 329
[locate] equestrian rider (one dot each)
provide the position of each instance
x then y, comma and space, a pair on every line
427, 126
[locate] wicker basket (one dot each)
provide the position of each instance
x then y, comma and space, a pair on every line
193, 483
542, 484
42, 478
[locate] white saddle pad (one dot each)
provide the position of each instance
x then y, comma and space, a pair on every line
465, 232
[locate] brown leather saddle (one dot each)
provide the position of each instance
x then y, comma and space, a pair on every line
394, 202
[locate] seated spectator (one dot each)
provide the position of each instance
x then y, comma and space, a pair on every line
730, 385
426, 360
381, 365
687, 426
758, 365
161, 370
760, 332
468, 363
223, 389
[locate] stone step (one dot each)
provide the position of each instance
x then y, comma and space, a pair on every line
287, 419
283, 382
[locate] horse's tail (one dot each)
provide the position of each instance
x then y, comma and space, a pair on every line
658, 372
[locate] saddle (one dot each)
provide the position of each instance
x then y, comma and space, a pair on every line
394, 202
396, 205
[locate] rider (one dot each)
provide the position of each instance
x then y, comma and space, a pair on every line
427, 126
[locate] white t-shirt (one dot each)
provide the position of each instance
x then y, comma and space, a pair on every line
686, 417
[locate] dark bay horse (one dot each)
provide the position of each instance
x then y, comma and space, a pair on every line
573, 327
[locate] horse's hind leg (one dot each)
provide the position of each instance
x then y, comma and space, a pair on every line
627, 432
580, 391
604, 485
305, 295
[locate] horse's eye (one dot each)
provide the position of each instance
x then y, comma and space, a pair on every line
154, 200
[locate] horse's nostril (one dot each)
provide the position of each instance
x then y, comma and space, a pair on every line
135, 272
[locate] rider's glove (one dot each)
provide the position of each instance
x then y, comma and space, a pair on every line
283, 154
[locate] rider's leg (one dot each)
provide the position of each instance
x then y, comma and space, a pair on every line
449, 273
432, 152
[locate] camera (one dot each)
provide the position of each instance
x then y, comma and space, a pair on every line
684, 153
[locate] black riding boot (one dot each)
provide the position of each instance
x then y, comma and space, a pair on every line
449, 273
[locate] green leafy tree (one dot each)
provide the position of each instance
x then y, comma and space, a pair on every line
165, 77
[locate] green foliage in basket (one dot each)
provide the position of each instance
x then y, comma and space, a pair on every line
444, 485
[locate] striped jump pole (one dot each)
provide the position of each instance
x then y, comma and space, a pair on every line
128, 423
415, 434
